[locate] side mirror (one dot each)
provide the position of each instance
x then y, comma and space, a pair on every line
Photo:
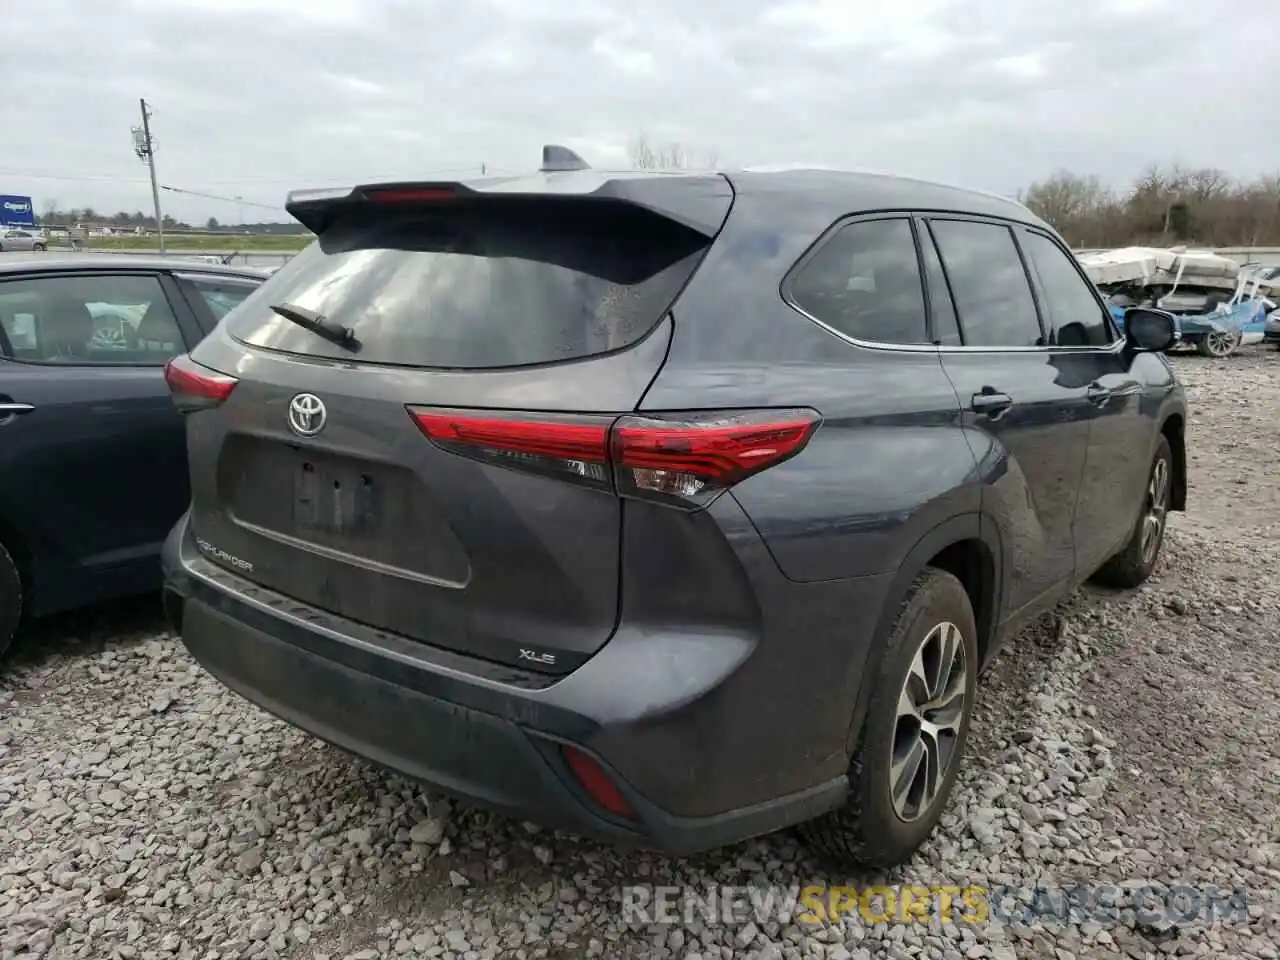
1148, 330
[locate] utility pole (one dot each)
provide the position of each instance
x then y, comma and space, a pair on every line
145, 149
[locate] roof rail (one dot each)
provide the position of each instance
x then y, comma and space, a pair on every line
869, 171
556, 158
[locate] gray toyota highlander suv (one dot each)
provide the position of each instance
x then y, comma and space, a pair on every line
672, 508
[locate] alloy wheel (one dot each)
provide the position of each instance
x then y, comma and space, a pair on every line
1157, 510
931, 712
1221, 342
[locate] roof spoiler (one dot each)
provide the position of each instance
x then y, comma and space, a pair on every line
698, 202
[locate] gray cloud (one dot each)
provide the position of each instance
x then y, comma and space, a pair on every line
254, 97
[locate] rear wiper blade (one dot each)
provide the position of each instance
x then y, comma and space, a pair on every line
318, 324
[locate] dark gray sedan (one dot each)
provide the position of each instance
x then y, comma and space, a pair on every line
92, 454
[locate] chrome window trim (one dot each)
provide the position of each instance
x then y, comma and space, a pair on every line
866, 344
784, 288
231, 279
1113, 347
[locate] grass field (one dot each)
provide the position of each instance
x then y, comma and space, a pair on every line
204, 241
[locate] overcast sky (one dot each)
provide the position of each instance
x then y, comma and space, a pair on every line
255, 97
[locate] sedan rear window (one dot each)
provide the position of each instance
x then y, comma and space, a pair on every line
490, 284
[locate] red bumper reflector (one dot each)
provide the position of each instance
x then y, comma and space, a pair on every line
597, 783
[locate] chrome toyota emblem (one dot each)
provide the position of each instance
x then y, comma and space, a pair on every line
307, 414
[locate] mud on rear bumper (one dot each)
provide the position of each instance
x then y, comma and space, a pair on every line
478, 731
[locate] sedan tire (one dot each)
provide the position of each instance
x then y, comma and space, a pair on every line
10, 599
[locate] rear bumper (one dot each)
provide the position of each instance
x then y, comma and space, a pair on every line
670, 719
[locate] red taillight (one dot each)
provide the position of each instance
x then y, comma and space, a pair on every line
571, 439
686, 460
597, 783
194, 386
697, 458
408, 194
566, 446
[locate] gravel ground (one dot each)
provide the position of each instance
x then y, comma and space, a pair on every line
1127, 741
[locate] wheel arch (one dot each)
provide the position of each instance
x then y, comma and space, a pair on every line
16, 548
966, 546
16, 545
1173, 428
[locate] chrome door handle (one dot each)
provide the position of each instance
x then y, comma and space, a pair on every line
990, 403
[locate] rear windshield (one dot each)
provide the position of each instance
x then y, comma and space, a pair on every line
494, 284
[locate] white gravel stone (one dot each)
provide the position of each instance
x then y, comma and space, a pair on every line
1129, 739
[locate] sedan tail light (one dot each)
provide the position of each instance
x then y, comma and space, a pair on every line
196, 387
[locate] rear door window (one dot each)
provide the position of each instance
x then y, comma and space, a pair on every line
989, 284
864, 281
88, 320
496, 284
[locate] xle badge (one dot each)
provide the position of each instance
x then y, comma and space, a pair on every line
547, 658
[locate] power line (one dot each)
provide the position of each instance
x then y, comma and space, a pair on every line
214, 196
363, 178
103, 178
295, 181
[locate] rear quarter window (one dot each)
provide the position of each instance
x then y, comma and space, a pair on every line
497, 284
864, 281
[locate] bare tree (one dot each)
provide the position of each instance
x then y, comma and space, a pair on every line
1070, 203
645, 155
1162, 206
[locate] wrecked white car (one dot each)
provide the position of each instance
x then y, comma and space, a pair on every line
1214, 300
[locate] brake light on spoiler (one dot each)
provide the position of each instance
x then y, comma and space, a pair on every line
685, 459
409, 194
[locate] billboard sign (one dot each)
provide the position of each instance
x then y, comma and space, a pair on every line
17, 211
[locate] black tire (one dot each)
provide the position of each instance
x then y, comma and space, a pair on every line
1130, 567
868, 830
10, 599
39, 247
1225, 345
